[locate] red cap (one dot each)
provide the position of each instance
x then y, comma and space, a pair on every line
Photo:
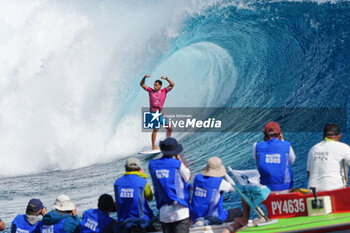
272, 128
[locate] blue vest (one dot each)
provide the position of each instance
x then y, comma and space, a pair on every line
55, 228
23, 226
169, 186
272, 158
129, 193
95, 220
207, 199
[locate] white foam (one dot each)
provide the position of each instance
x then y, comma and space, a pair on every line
69, 72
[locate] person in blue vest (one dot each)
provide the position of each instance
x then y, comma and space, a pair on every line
29, 222
2, 225
274, 157
170, 181
207, 198
132, 192
63, 219
98, 220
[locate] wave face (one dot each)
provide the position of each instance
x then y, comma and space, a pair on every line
285, 54
70, 72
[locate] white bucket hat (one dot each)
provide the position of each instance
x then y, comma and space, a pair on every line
214, 168
63, 203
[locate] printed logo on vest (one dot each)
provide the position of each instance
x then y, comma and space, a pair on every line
91, 224
127, 193
47, 229
19, 230
273, 158
163, 173
200, 192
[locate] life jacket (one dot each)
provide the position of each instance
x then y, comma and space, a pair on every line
95, 220
23, 226
169, 186
130, 198
272, 158
55, 228
207, 199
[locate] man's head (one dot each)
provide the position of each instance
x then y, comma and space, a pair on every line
34, 207
106, 203
63, 204
169, 147
272, 130
331, 131
157, 85
132, 164
214, 168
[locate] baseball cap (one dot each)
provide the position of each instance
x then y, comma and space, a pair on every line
272, 128
331, 129
34, 205
132, 163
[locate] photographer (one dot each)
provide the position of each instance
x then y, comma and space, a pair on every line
98, 220
63, 218
29, 222
132, 192
170, 180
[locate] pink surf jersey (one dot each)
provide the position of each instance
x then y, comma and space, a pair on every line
156, 99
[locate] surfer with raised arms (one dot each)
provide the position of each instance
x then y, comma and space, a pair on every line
156, 101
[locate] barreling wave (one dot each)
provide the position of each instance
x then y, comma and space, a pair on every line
70, 93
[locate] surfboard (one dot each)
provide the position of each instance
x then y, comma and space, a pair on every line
150, 152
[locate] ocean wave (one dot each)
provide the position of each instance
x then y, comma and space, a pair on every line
71, 70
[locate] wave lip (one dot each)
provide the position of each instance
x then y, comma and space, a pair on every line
71, 71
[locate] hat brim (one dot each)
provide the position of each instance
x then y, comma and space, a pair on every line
214, 172
174, 151
66, 207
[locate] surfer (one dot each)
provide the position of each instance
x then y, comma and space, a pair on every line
156, 101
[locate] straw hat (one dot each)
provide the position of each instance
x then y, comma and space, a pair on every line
63, 203
214, 168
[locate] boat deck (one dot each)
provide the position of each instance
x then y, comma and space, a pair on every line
326, 223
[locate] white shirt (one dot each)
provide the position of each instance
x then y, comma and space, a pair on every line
176, 212
226, 186
327, 164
